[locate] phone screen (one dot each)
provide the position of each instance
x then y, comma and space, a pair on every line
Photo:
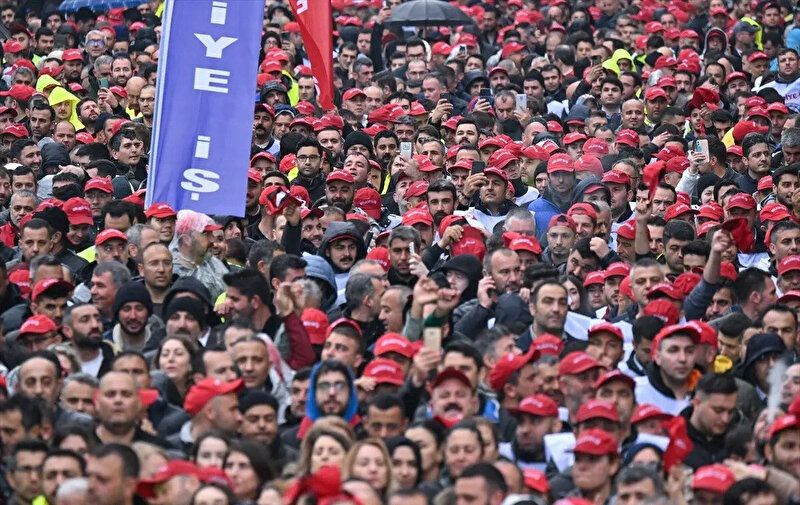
478, 166
405, 150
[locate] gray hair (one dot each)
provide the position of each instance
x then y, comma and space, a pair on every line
102, 60
637, 473
312, 293
356, 268
22, 70
520, 214
358, 286
82, 378
72, 487
405, 233
24, 194
119, 273
790, 137
361, 61
43, 260
506, 93
134, 235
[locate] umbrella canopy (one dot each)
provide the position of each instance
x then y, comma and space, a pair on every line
428, 13
98, 5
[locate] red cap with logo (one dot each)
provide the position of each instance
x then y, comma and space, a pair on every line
417, 215
615, 375
384, 371
509, 364
417, 188
716, 478
560, 163
45, 285
368, 200
562, 220
37, 325
315, 322
99, 183
394, 342
597, 409
549, 344
648, 411
616, 177
146, 487
78, 211
742, 201
109, 234
594, 279
538, 405
536, 480
577, 362
596, 442
160, 210
789, 264
677, 209
606, 327
781, 423
571, 138
340, 175
627, 230
204, 391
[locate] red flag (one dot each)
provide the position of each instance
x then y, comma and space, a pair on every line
314, 18
679, 446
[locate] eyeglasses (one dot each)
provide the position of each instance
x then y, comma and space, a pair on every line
96, 42
308, 157
337, 387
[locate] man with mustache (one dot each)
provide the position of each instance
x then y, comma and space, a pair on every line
132, 308
340, 189
263, 119
342, 246
493, 204
83, 327
453, 397
184, 316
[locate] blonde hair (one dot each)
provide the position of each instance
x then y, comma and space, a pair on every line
350, 459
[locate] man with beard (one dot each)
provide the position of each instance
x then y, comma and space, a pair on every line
263, 118
146, 104
561, 236
121, 70
710, 419
786, 82
467, 132
309, 168
83, 327
331, 392
184, 317
441, 198
756, 151
118, 408
386, 147
329, 136
537, 416
311, 226
666, 382
548, 306
781, 449
41, 118
492, 204
557, 198
342, 246
88, 110
785, 182
73, 65
340, 189
132, 308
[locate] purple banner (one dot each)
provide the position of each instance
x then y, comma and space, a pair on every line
203, 120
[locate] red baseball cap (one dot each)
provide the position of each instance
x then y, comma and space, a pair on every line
71, 55
562, 220
315, 322
255, 176
677, 209
501, 158
596, 442
560, 162
673, 330
789, 264
597, 409
654, 93
615, 375
607, 327
509, 364
594, 279
616, 177
742, 201
146, 487
99, 183
78, 211
525, 243
394, 342
17, 130
571, 138
380, 254
616, 269
417, 188
628, 137
790, 296
160, 210
647, 411
577, 362
417, 215
627, 230
368, 200
711, 210
511, 48
37, 325
781, 423
716, 478
451, 373
109, 234
733, 76
353, 93
45, 285
538, 405
773, 211
207, 389
384, 371
19, 92
547, 343
536, 480
668, 290
340, 175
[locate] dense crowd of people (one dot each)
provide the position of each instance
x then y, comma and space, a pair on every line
549, 257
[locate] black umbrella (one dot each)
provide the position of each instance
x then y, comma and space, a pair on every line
428, 13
